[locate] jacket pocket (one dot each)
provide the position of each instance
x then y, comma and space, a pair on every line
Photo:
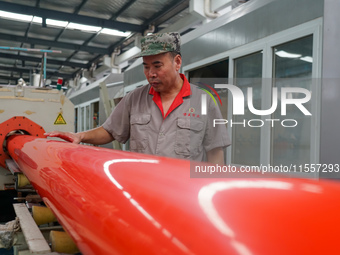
138, 133
189, 137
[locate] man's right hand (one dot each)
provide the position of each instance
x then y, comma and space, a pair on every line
67, 136
94, 136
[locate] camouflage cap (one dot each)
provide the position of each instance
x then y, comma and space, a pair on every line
160, 43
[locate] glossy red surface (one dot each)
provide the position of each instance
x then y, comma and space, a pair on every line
114, 202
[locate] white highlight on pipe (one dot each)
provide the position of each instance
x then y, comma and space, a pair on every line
145, 213
207, 193
115, 161
165, 232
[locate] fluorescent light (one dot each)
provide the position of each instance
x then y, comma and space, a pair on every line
56, 23
114, 32
37, 20
16, 16
51, 22
307, 59
64, 24
83, 27
284, 54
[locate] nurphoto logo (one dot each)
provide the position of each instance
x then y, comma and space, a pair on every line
238, 104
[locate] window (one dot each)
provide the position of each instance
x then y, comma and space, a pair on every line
287, 59
88, 119
87, 116
76, 120
246, 139
95, 112
216, 70
209, 75
212, 74
293, 63
82, 119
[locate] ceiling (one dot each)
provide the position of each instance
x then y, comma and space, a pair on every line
74, 50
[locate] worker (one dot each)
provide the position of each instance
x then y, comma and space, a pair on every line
164, 117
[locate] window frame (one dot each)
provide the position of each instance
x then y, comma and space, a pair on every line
266, 45
83, 119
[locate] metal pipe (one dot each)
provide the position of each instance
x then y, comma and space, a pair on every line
115, 202
114, 54
45, 61
29, 49
207, 11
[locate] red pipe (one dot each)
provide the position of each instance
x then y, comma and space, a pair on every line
115, 202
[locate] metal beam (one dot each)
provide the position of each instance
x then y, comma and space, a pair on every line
52, 43
49, 60
37, 4
76, 11
78, 8
57, 15
15, 78
33, 236
27, 78
123, 9
168, 12
8, 78
28, 69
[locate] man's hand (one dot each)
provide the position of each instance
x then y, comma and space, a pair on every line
67, 136
94, 136
216, 156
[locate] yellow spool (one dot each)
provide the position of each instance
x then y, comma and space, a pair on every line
22, 180
42, 215
61, 242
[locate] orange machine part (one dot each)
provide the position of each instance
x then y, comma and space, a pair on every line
17, 123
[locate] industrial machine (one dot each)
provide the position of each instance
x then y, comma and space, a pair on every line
48, 107
118, 202
21, 108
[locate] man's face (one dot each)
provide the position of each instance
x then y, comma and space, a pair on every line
161, 71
